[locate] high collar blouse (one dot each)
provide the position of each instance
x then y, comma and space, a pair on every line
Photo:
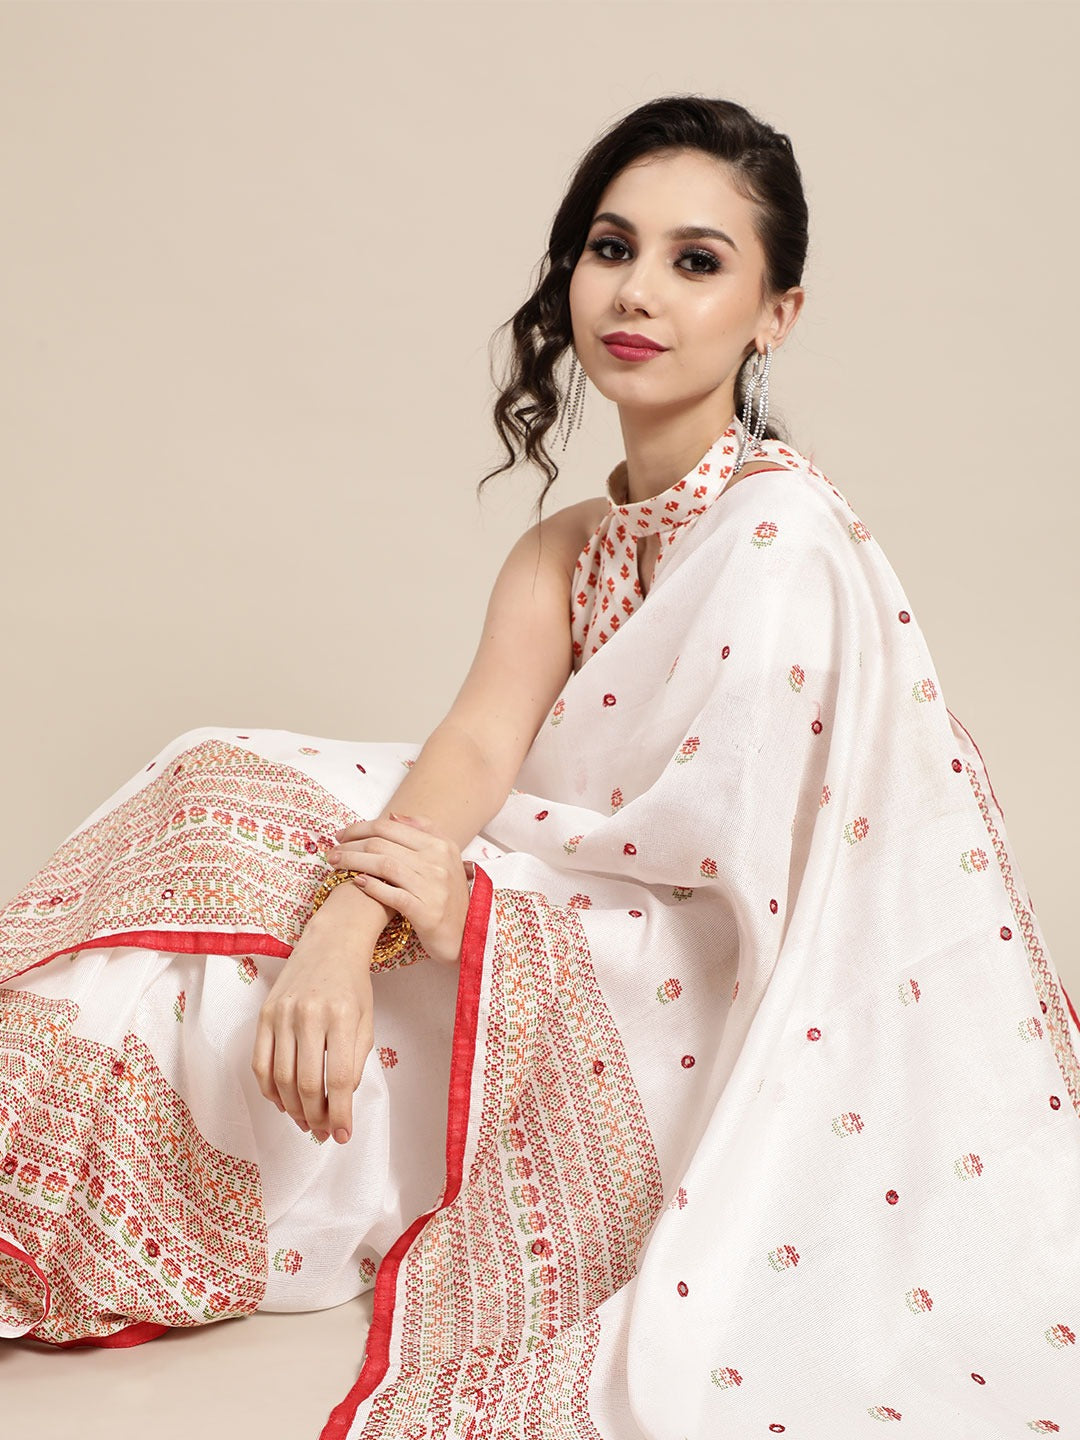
607, 588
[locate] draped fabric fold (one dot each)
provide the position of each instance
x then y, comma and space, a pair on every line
758, 1087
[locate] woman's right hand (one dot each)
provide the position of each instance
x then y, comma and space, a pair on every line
320, 1012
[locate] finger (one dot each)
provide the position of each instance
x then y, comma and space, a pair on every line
405, 902
285, 1072
340, 1062
262, 1061
408, 835
395, 869
310, 1065
362, 1048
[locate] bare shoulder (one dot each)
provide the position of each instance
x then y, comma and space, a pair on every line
568, 531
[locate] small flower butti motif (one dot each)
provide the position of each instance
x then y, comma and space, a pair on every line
784, 1257
288, 1262
1059, 1336
974, 861
688, 749
909, 992
919, 1301
668, 991
847, 1124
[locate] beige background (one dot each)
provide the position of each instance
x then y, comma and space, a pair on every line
251, 258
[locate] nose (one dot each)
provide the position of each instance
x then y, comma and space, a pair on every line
637, 286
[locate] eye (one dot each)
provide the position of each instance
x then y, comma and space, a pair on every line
600, 244
712, 264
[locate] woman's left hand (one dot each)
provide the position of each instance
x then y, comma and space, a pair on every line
410, 867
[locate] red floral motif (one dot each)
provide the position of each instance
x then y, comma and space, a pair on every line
288, 1262
919, 1301
609, 699
629, 849
847, 1124
247, 969
708, 868
670, 990
784, 1257
388, 1057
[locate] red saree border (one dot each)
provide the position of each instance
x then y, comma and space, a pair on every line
176, 942
466, 1021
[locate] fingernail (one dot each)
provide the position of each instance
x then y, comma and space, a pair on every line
322, 1135
341, 1136
395, 816
304, 1126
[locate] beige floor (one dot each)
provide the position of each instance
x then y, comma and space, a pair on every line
275, 1377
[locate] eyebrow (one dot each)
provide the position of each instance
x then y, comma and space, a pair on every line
681, 232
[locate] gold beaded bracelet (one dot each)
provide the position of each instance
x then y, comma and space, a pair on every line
395, 935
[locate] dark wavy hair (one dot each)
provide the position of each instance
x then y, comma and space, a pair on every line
762, 167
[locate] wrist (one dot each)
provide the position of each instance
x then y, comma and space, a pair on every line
364, 912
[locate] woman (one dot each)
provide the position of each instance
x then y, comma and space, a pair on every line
759, 1071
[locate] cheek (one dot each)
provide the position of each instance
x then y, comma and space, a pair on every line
586, 290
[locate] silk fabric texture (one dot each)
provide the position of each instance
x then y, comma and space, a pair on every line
761, 1086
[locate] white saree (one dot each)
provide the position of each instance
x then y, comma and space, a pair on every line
752, 1108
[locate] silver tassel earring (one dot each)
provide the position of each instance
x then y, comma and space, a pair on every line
572, 408
753, 434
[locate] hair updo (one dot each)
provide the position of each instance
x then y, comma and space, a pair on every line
762, 167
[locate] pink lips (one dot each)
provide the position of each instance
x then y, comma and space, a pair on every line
631, 347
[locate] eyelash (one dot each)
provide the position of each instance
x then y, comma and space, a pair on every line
603, 240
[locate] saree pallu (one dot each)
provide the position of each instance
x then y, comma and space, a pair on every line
751, 1109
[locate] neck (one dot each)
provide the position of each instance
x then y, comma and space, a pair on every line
661, 449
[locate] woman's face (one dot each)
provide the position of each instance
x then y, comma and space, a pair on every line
699, 296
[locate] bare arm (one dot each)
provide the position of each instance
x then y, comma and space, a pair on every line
455, 787
468, 764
